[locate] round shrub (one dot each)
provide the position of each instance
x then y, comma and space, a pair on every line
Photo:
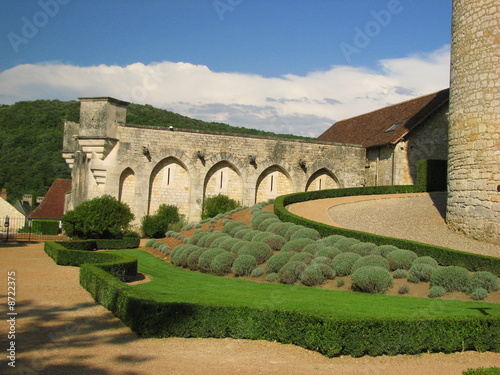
164, 249
400, 274
404, 289
274, 241
313, 234
371, 260
479, 294
272, 277
182, 258
280, 228
228, 243
194, 257
363, 248
238, 245
249, 236
297, 245
257, 272
178, 251
196, 237
312, 276
436, 291
485, 280
330, 252
231, 226
291, 230
260, 216
268, 222
218, 204
420, 272
371, 279
244, 265
383, 250
345, 244
277, 261
220, 239
221, 264
321, 260
259, 250
451, 278
213, 237
240, 233
426, 260
290, 272
327, 270
205, 259
303, 257
150, 242
313, 248
201, 241
331, 240
401, 259
342, 263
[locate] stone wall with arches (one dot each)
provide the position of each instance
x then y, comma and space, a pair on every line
145, 166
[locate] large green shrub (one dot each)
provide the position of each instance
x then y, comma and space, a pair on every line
401, 259
244, 265
101, 217
290, 272
426, 260
312, 275
274, 241
420, 272
305, 233
277, 261
280, 228
194, 258
363, 248
330, 252
260, 216
46, 227
156, 225
371, 260
218, 204
484, 279
297, 245
222, 263
371, 279
345, 244
303, 257
205, 259
342, 264
231, 226
259, 250
451, 278
331, 240
383, 250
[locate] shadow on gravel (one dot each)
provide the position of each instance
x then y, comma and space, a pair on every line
440, 200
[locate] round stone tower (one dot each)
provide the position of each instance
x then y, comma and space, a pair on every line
474, 135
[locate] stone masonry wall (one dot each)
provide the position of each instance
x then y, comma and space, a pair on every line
474, 136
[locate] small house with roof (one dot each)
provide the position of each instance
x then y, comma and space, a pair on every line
397, 137
16, 219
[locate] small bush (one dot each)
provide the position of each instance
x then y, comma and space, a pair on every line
297, 245
312, 234
275, 241
400, 274
238, 245
478, 294
250, 235
244, 265
290, 272
371, 260
403, 289
201, 241
218, 204
267, 223
313, 248
257, 272
426, 260
260, 217
277, 261
330, 252
194, 257
363, 248
312, 276
242, 232
205, 259
383, 250
303, 257
401, 259
150, 242
196, 237
272, 277
231, 226
345, 244
213, 237
280, 228
371, 279
451, 278
342, 263
291, 230
156, 225
485, 280
321, 260
259, 250
217, 241
228, 243
221, 264
331, 240
436, 291
420, 272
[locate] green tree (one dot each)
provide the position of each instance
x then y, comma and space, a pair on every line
101, 217
218, 204
155, 226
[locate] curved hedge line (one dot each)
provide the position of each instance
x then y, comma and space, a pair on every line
445, 256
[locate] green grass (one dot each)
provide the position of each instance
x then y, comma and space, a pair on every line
173, 284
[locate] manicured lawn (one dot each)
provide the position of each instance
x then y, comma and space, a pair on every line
173, 284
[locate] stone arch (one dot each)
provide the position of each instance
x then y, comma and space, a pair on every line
126, 189
322, 179
169, 183
224, 178
273, 182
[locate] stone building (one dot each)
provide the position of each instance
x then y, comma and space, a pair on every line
474, 135
145, 166
397, 137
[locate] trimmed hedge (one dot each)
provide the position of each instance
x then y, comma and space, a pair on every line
443, 255
47, 227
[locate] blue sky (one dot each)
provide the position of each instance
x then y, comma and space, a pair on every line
286, 65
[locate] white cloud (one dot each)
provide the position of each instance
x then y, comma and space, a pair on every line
305, 105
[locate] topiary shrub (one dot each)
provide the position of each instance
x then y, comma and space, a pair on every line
290, 272
383, 250
321, 260
150, 242
244, 265
194, 257
485, 280
331, 240
241, 232
401, 259
249, 236
400, 274
330, 252
228, 243
177, 253
201, 241
213, 237
342, 263
297, 245
257, 272
313, 248
274, 241
345, 244
196, 237
277, 261
181, 259
238, 245
267, 223
280, 228
303, 257
272, 277
371, 279
478, 294
259, 250
218, 240
436, 291
420, 272
218, 204
222, 263
312, 276
371, 260
292, 230
363, 248
310, 233
205, 259
451, 278
426, 260
403, 289
260, 216
232, 225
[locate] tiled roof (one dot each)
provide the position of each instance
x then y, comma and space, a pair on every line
52, 206
370, 129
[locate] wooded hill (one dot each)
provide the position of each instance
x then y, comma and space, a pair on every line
31, 134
